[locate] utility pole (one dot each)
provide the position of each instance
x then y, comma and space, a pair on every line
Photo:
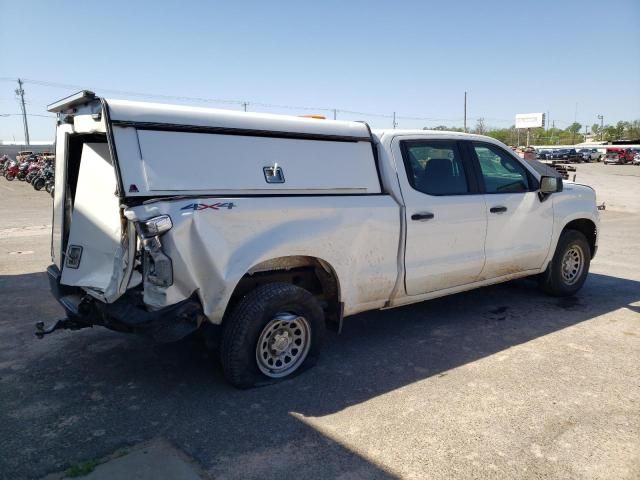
20, 92
395, 124
601, 118
244, 104
546, 126
573, 132
549, 136
465, 112
335, 114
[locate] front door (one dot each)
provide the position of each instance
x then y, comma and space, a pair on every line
519, 223
446, 215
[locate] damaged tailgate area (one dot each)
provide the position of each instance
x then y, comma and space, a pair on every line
98, 259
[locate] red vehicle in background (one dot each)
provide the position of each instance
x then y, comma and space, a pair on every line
618, 155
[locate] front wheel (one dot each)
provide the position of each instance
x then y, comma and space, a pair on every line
569, 267
274, 332
38, 183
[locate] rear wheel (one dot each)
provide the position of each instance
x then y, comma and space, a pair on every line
569, 267
9, 177
274, 332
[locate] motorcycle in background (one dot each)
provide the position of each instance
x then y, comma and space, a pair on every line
4, 160
44, 176
11, 171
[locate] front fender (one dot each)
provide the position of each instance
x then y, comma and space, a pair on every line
575, 202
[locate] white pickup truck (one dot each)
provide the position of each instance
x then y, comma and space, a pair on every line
589, 154
259, 229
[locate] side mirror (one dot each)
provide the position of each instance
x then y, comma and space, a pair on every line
550, 185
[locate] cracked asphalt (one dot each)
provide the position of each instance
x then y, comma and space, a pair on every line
502, 382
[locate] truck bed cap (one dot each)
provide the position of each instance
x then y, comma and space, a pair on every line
125, 111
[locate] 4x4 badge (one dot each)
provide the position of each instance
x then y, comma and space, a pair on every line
212, 206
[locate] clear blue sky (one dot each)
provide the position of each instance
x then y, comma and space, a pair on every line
414, 57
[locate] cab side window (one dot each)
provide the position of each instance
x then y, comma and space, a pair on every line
501, 172
435, 167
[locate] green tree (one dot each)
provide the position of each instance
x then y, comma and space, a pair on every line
611, 133
444, 128
574, 131
574, 128
633, 132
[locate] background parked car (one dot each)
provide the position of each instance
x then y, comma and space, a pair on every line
619, 155
589, 154
567, 154
543, 154
23, 155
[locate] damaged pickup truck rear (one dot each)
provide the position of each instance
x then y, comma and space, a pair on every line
259, 229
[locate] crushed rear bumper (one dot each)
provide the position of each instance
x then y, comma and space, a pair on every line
128, 313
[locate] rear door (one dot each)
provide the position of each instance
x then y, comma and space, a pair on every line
445, 215
519, 224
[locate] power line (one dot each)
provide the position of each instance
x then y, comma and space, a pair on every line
245, 105
28, 115
242, 103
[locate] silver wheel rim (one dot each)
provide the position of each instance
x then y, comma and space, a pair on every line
572, 264
283, 345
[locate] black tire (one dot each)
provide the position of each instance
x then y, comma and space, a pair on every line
553, 281
243, 327
38, 183
9, 177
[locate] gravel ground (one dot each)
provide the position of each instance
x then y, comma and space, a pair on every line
502, 382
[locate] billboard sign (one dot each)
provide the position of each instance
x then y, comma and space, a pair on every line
529, 120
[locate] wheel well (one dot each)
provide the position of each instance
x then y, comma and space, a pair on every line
310, 273
587, 228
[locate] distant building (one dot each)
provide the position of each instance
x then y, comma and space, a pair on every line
11, 147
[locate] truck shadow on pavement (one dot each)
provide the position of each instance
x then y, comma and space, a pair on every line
75, 396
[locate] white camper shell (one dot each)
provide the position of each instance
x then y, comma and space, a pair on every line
171, 219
